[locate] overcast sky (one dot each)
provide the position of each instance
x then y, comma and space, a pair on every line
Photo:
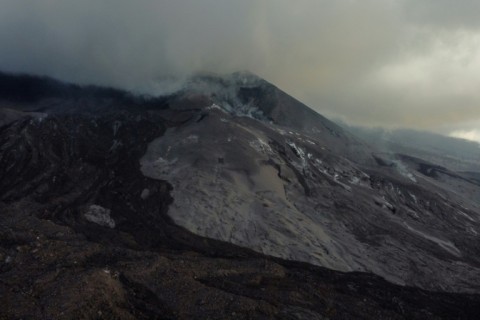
393, 63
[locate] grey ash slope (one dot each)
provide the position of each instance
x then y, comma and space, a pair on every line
259, 169
85, 234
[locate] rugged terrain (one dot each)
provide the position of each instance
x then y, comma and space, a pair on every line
259, 169
204, 203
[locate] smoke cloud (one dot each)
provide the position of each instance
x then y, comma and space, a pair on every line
401, 63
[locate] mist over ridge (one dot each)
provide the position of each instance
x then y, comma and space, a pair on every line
389, 63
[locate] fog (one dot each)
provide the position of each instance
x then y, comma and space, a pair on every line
393, 63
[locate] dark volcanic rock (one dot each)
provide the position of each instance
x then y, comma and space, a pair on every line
85, 234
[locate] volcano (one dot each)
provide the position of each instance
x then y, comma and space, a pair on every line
226, 199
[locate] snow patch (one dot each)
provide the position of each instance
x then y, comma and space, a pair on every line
300, 152
100, 215
215, 106
260, 146
383, 203
145, 194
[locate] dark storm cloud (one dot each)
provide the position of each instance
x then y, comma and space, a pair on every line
125, 42
374, 62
